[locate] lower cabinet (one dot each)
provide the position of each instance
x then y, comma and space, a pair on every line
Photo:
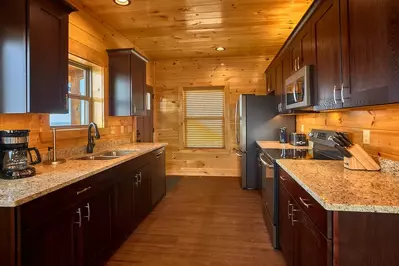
82, 224
286, 231
51, 243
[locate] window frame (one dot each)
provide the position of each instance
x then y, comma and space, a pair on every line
88, 97
225, 122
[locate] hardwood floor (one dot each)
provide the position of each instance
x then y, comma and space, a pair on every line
202, 221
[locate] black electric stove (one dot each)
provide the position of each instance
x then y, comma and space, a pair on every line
322, 148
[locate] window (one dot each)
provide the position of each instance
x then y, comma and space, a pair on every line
85, 93
204, 117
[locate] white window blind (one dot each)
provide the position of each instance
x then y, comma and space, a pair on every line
204, 118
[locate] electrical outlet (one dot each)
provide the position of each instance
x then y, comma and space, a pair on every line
366, 136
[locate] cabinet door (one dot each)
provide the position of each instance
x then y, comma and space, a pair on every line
269, 87
295, 54
119, 84
306, 56
158, 178
325, 25
279, 86
286, 233
369, 52
48, 62
311, 248
124, 213
52, 243
96, 216
142, 193
138, 76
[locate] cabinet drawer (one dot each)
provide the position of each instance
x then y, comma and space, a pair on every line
308, 204
43, 208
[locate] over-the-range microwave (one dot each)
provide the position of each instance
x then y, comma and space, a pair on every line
297, 89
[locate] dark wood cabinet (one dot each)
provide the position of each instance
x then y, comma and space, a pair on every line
310, 245
83, 223
158, 177
96, 215
326, 32
142, 192
51, 243
36, 65
370, 41
286, 232
127, 83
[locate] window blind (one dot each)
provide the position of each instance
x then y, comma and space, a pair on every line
204, 118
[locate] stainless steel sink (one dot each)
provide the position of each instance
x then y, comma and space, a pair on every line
118, 153
95, 158
107, 155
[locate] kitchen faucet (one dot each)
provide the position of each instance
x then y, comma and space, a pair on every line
90, 138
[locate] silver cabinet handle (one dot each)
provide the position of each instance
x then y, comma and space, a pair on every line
136, 176
289, 205
295, 64
293, 210
299, 63
83, 191
159, 154
88, 211
79, 222
342, 93
282, 178
134, 109
304, 203
335, 99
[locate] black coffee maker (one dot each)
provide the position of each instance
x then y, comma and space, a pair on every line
14, 152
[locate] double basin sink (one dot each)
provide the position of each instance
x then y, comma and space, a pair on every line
107, 155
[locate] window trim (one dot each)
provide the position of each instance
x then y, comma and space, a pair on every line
226, 119
88, 97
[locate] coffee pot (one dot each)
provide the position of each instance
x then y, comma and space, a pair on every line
15, 155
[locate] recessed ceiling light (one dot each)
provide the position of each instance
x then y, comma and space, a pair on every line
220, 49
122, 2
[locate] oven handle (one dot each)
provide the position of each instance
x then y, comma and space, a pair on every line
265, 163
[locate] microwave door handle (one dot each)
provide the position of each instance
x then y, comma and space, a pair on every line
294, 93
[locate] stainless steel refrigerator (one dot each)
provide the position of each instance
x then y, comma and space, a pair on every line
256, 118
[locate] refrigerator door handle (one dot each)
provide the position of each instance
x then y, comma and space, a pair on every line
235, 123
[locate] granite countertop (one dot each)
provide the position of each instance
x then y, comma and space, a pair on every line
51, 178
340, 189
278, 145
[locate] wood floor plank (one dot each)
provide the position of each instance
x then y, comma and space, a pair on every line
202, 221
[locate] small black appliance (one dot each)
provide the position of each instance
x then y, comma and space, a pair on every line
14, 153
283, 135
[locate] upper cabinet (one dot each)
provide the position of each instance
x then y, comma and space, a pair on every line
370, 52
326, 32
34, 56
354, 60
127, 83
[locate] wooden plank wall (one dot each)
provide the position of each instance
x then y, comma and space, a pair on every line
382, 121
88, 38
240, 74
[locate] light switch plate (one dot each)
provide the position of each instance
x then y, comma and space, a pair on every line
366, 136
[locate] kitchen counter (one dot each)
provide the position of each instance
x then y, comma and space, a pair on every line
278, 145
340, 189
51, 178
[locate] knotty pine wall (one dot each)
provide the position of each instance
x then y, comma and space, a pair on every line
88, 39
382, 121
240, 74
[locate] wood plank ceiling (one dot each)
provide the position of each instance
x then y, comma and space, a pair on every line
193, 28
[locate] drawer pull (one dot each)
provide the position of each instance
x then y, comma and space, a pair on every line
83, 191
283, 179
304, 203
